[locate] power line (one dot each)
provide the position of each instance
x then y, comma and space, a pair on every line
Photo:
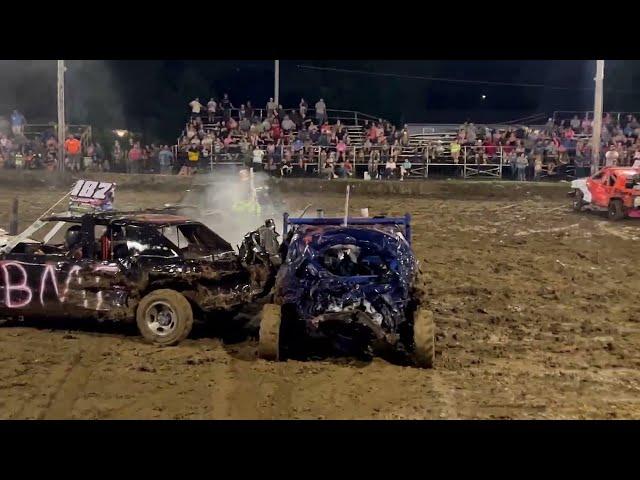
453, 80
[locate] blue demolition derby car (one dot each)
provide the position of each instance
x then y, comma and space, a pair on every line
352, 283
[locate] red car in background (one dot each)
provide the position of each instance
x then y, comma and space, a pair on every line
615, 190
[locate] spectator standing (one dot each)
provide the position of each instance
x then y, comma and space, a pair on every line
521, 165
144, 161
196, 106
101, 160
193, 155
455, 154
303, 107
321, 111
244, 151
73, 149
249, 110
258, 153
341, 148
471, 134
165, 159
395, 151
226, 106
211, 109
134, 159
17, 123
549, 127
537, 168
611, 157
271, 107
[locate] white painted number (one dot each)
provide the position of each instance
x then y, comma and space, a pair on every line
77, 188
90, 189
102, 190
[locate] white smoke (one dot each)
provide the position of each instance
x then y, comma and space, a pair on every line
219, 198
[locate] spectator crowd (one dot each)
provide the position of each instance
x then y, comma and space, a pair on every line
286, 143
557, 147
302, 141
19, 150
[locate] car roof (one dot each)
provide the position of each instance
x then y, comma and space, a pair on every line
106, 218
623, 170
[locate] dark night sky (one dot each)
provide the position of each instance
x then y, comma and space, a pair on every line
151, 95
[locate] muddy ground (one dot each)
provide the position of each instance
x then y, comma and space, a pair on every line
536, 309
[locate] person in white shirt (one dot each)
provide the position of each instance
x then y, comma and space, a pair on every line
196, 106
271, 106
321, 111
390, 168
611, 157
211, 109
288, 124
257, 158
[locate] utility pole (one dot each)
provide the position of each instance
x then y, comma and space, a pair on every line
276, 93
61, 121
597, 117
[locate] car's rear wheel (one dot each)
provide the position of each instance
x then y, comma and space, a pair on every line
616, 210
270, 327
424, 332
578, 201
164, 317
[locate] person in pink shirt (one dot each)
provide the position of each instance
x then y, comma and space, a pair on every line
489, 149
373, 134
569, 134
341, 147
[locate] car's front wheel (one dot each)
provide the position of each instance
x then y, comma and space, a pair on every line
578, 201
164, 317
616, 210
270, 327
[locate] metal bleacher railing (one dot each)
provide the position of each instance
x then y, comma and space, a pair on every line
428, 152
561, 115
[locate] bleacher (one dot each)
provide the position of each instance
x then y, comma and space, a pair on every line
428, 149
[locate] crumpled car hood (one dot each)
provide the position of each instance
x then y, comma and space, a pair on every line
381, 289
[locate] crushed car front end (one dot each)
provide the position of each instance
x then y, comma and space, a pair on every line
352, 285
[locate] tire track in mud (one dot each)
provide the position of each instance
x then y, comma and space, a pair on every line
69, 382
252, 389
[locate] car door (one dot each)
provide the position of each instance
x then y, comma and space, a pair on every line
598, 189
32, 284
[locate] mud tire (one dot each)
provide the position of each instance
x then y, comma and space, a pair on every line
578, 201
616, 210
183, 317
424, 332
270, 329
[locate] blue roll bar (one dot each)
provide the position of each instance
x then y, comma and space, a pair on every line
405, 221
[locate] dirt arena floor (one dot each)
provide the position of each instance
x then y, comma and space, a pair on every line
536, 318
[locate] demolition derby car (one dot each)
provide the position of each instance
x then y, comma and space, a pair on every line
615, 190
354, 282
157, 269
